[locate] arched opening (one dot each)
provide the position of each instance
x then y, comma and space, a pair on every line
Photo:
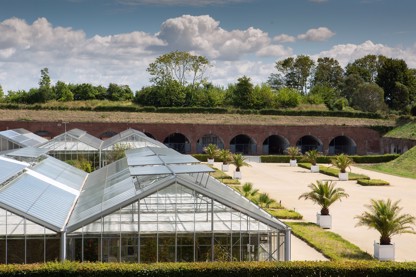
178, 142
149, 135
208, 139
44, 134
342, 144
107, 135
243, 144
275, 145
308, 142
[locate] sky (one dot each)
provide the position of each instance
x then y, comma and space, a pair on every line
114, 41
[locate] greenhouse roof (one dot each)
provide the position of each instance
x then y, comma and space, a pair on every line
131, 136
73, 140
22, 137
60, 197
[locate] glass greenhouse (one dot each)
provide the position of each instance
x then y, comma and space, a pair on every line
154, 205
19, 138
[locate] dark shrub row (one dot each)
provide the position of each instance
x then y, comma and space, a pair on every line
327, 159
223, 269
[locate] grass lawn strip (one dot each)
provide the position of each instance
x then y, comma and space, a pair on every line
403, 166
331, 245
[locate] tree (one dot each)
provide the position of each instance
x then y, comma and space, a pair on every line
45, 91
119, 93
328, 94
295, 72
400, 97
366, 67
239, 161
211, 150
350, 85
62, 92
180, 66
288, 98
1, 94
342, 162
328, 72
84, 91
324, 194
368, 98
385, 217
391, 72
243, 93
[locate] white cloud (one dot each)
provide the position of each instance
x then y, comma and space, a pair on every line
319, 34
203, 34
284, 38
346, 53
274, 51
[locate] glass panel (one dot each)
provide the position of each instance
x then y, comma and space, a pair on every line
185, 248
16, 250
203, 247
148, 249
166, 248
35, 250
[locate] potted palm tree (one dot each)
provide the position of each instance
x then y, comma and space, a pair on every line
311, 156
385, 217
293, 151
324, 194
225, 156
212, 151
342, 162
239, 161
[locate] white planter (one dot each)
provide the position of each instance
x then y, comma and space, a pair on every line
237, 174
314, 168
343, 176
384, 252
324, 221
210, 161
224, 167
293, 163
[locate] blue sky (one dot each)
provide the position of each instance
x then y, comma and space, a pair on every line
103, 41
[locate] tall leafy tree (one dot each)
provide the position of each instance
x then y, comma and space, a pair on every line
295, 72
368, 97
1, 93
350, 85
183, 67
328, 72
62, 92
243, 93
391, 72
366, 67
119, 92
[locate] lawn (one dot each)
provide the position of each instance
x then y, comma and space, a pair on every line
331, 245
403, 166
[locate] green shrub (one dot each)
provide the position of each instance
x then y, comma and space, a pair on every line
327, 159
216, 269
332, 171
284, 214
372, 182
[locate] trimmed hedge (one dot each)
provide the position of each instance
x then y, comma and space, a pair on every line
327, 159
223, 269
332, 171
372, 182
321, 113
284, 214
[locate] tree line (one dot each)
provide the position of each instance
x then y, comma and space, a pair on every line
373, 83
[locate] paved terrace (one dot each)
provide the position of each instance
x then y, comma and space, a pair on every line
285, 183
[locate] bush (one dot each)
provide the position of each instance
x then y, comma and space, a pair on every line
226, 269
327, 159
284, 214
372, 182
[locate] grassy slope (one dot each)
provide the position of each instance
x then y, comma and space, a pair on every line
402, 166
225, 119
407, 131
